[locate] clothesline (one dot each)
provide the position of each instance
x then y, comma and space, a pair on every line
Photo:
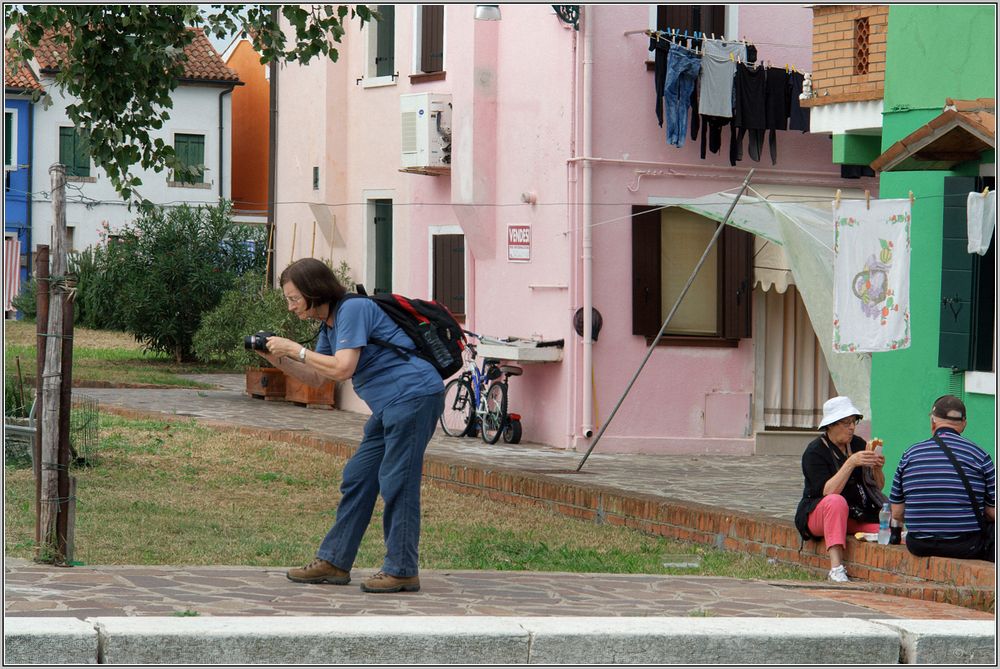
647, 31
672, 34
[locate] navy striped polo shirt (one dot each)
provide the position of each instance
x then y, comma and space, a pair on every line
937, 504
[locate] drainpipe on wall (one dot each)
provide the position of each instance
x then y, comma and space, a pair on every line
587, 427
222, 153
272, 164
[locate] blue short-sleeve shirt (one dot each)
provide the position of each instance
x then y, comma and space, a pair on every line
382, 376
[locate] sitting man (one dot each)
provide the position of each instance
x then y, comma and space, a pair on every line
930, 494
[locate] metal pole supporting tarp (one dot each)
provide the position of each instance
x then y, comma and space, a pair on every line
659, 335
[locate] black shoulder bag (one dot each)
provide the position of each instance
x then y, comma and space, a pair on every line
986, 528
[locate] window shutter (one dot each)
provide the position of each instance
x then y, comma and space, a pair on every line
81, 159
432, 38
383, 246
449, 272
646, 287
196, 155
67, 153
737, 282
709, 19
385, 49
957, 277
181, 151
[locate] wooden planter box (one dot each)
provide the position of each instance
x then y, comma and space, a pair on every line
266, 383
305, 395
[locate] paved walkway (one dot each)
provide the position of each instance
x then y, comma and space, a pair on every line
768, 485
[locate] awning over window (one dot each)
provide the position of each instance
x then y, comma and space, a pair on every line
805, 236
963, 131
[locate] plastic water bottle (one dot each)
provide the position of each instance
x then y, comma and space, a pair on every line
883, 524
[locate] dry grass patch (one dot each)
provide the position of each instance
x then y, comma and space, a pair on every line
22, 333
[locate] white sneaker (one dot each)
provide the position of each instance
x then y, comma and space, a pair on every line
838, 574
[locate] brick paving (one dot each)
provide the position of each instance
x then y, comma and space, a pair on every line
767, 486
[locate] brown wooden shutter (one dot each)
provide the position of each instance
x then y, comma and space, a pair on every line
646, 282
709, 19
432, 38
449, 272
737, 282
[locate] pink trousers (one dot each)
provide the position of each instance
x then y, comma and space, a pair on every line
830, 521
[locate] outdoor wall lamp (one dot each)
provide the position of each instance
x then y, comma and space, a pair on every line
487, 12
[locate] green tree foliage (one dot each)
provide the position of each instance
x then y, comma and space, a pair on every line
244, 310
124, 61
170, 266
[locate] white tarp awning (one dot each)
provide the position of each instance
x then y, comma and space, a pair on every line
805, 235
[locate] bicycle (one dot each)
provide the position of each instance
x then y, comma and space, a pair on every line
477, 400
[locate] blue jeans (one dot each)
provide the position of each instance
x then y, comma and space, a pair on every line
388, 461
683, 66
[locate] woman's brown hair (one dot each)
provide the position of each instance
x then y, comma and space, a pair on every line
314, 280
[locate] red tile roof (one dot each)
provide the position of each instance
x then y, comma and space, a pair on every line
203, 62
964, 130
18, 78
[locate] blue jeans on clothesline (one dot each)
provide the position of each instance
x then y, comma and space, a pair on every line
683, 66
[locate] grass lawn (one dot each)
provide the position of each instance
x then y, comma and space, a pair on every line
104, 357
176, 493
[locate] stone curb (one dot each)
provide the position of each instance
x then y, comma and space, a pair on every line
493, 640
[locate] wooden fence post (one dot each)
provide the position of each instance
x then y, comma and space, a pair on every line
41, 330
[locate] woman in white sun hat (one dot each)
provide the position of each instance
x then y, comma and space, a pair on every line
836, 499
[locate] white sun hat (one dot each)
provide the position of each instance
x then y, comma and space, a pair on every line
837, 408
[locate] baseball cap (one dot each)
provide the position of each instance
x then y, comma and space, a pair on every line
949, 407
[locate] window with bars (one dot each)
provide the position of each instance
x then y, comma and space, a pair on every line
190, 151
861, 35
74, 152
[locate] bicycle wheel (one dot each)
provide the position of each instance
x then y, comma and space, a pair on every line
495, 418
458, 408
512, 433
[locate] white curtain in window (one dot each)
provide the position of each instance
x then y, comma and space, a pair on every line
796, 378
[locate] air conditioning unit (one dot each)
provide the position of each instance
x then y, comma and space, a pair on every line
425, 120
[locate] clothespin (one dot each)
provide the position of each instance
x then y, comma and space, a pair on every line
786, 68
731, 56
986, 191
868, 203
836, 200
713, 37
911, 198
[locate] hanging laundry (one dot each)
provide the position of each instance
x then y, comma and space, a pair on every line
871, 276
798, 116
775, 106
981, 213
749, 115
661, 50
682, 72
715, 82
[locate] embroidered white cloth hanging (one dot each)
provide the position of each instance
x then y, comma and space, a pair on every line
981, 213
871, 276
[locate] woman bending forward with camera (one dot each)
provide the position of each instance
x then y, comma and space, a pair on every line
406, 397
836, 499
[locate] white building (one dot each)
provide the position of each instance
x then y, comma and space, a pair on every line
198, 128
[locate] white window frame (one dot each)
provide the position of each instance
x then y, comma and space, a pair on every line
370, 80
368, 270
11, 167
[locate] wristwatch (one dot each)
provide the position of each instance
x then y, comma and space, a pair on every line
302, 354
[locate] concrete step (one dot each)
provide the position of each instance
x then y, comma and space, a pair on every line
494, 640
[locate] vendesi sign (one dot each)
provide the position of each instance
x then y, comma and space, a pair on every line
518, 243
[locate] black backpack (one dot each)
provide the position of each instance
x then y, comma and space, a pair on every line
438, 337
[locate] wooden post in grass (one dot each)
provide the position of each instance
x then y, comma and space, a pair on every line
51, 374
41, 330
66, 499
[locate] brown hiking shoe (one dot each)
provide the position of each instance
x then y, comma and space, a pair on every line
319, 571
383, 582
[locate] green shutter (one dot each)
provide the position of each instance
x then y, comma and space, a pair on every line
383, 246
385, 60
67, 148
81, 156
190, 150
958, 278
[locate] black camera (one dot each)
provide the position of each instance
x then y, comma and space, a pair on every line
257, 341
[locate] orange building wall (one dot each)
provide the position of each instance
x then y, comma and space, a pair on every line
833, 54
250, 131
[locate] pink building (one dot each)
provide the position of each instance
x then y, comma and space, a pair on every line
524, 184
